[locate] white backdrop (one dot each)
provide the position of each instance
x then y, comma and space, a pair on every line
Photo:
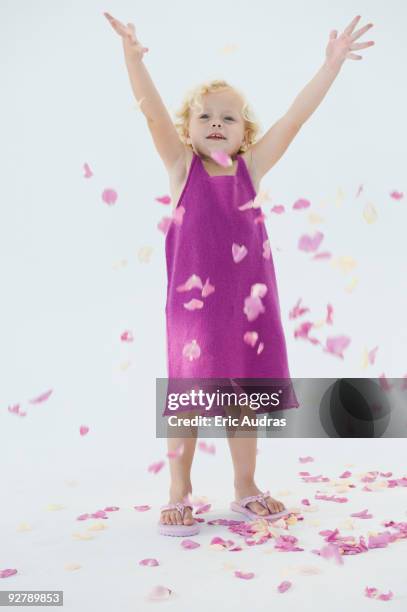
71, 276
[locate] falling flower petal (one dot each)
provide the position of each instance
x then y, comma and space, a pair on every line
239, 252
207, 289
156, 467
253, 307
245, 576
373, 593
323, 255
363, 515
164, 199
306, 459
396, 195
144, 254
83, 430
41, 398
16, 410
251, 337
279, 209
221, 158
297, 311
159, 593
331, 551
193, 304
247, 206
266, 249
149, 562
178, 452
164, 224
370, 213
206, 448
299, 204
178, 215
191, 283
359, 191
189, 544
88, 171
284, 586
372, 355
330, 310
127, 336
142, 508
203, 509
109, 196
260, 348
310, 243
7, 572
260, 218
335, 345
191, 350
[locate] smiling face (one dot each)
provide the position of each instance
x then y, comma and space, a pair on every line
221, 114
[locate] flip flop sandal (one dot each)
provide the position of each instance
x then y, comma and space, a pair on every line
240, 507
178, 530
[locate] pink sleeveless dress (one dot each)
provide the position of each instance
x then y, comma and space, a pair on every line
222, 310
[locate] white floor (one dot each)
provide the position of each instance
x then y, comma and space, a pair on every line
43, 470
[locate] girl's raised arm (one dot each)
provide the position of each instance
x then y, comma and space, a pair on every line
165, 136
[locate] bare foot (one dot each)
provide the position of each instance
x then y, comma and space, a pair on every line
245, 490
173, 517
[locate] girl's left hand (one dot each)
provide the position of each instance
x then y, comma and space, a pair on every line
340, 47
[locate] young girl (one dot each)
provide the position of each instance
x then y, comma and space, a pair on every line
222, 311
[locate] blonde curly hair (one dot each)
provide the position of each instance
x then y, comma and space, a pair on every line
193, 100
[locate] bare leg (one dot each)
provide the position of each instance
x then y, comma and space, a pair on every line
243, 448
180, 475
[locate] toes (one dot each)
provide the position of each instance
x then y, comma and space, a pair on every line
177, 518
274, 505
257, 508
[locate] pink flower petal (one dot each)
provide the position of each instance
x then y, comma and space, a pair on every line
193, 304
149, 562
88, 171
207, 289
127, 336
306, 459
41, 398
251, 337
189, 544
207, 448
372, 355
191, 350
178, 215
260, 348
159, 593
156, 467
164, 199
164, 224
329, 314
249, 204
260, 218
178, 452
142, 508
363, 515
279, 209
258, 290
221, 158
299, 204
245, 576
323, 255
310, 243
7, 572
396, 195
253, 307
284, 586
194, 281
109, 196
359, 191
83, 430
203, 509
266, 249
239, 252
336, 345
297, 311
16, 410
331, 551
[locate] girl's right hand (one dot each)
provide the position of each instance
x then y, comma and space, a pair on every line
132, 47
